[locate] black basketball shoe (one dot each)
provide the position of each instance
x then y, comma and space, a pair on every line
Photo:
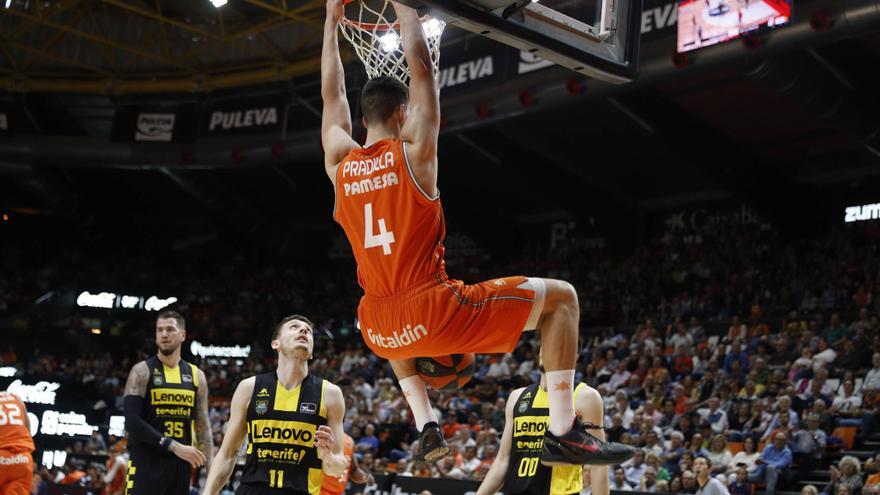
580, 447
432, 446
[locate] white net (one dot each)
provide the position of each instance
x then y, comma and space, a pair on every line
377, 42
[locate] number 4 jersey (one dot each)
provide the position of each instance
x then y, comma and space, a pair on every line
395, 228
396, 231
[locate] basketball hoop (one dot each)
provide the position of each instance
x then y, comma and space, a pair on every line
376, 40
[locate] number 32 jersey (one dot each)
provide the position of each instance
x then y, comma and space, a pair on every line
396, 229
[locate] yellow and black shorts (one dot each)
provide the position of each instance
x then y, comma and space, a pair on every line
156, 474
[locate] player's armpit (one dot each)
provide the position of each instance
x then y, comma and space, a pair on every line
137, 380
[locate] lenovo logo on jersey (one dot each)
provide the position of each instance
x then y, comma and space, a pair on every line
166, 396
243, 119
287, 432
530, 425
405, 337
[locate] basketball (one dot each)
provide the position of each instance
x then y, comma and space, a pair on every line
446, 372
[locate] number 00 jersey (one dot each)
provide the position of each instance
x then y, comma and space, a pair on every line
396, 230
170, 401
281, 453
525, 473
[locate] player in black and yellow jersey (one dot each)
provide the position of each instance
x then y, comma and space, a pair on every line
517, 467
293, 423
166, 414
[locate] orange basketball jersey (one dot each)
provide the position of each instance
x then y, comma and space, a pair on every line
396, 230
14, 434
336, 485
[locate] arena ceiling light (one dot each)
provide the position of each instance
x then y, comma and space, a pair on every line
218, 3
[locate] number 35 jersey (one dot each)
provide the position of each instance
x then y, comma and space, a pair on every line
396, 229
170, 400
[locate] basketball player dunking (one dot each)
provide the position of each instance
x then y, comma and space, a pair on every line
388, 204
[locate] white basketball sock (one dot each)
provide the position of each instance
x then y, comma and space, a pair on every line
560, 391
417, 397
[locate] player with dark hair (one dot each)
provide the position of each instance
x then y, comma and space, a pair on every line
166, 414
388, 204
291, 419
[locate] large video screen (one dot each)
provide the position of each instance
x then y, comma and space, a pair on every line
703, 23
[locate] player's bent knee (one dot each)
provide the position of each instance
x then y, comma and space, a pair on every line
593, 406
561, 295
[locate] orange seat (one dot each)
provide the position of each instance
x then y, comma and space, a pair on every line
735, 447
845, 433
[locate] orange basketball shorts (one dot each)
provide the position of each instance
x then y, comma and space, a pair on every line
16, 473
439, 316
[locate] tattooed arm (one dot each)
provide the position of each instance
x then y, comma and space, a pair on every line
135, 390
137, 380
204, 436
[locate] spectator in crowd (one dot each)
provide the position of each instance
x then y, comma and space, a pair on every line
635, 468
688, 482
740, 484
783, 408
661, 472
775, 459
736, 354
714, 416
368, 442
846, 474
746, 458
809, 445
672, 456
648, 481
719, 455
619, 482
872, 378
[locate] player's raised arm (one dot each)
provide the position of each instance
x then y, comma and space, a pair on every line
423, 120
336, 116
495, 477
236, 428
